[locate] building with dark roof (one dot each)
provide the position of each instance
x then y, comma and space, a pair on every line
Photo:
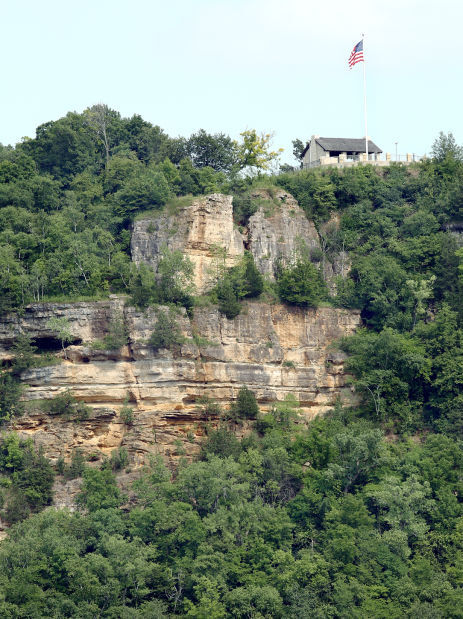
339, 151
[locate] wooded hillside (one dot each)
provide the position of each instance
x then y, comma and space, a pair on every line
360, 514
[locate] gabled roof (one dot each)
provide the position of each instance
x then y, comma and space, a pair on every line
345, 145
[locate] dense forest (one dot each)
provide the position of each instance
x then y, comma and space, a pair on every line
358, 514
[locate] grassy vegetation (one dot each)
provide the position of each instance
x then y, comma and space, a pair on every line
77, 298
172, 207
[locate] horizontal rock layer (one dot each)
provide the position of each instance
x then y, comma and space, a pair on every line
273, 349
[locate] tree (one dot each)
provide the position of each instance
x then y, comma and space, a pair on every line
220, 442
24, 353
381, 291
209, 485
64, 147
99, 490
391, 370
298, 149
459, 254
400, 504
167, 333
445, 147
62, 328
253, 153
30, 478
175, 277
13, 280
142, 285
228, 299
216, 151
314, 191
254, 601
145, 190
245, 405
117, 335
240, 281
421, 291
119, 169
10, 397
301, 284
254, 282
358, 451
98, 118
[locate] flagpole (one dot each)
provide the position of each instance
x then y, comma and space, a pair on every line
365, 97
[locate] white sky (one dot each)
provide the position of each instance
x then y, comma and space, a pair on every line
229, 65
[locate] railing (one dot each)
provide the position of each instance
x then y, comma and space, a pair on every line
345, 161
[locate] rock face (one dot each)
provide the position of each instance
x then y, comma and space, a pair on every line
276, 236
198, 230
273, 349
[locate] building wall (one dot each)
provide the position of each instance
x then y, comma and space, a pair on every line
314, 152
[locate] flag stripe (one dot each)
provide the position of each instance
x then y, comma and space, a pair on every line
356, 54
357, 58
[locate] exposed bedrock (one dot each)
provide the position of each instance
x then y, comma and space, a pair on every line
198, 230
275, 234
273, 349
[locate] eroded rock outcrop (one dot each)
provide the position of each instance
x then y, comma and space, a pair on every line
273, 349
278, 234
198, 230
275, 234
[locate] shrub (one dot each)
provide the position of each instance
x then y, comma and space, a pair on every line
316, 254
202, 342
61, 466
289, 364
210, 407
243, 208
77, 465
119, 459
166, 333
301, 284
66, 404
245, 407
281, 416
126, 412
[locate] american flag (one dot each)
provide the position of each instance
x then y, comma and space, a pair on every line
356, 55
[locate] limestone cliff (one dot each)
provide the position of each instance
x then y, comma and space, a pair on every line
274, 235
198, 230
273, 349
